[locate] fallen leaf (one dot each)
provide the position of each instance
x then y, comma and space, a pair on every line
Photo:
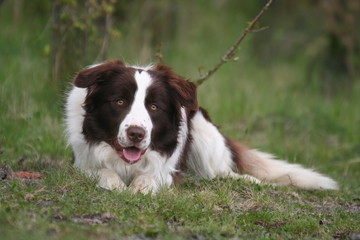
28, 175
45, 203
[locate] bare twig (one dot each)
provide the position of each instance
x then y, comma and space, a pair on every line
158, 53
259, 29
106, 40
229, 55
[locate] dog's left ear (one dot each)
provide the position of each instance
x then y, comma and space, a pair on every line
183, 90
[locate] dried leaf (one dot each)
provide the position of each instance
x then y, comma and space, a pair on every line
28, 175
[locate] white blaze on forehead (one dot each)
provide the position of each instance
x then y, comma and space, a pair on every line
138, 115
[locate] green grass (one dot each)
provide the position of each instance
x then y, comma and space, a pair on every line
219, 209
276, 110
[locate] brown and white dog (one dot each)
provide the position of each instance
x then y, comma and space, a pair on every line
140, 127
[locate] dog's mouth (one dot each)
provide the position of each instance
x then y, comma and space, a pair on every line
130, 154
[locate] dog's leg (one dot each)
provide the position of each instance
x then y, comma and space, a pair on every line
144, 184
102, 155
156, 177
108, 179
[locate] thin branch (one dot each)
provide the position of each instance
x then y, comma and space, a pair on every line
231, 52
260, 29
158, 53
106, 40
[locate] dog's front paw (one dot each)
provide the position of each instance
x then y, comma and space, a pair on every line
144, 184
108, 179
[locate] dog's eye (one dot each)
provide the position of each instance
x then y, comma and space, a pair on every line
154, 107
120, 102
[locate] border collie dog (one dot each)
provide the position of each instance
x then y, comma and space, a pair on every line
141, 127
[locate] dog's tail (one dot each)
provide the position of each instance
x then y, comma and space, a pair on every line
267, 168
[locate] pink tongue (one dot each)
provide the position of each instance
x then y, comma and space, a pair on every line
132, 154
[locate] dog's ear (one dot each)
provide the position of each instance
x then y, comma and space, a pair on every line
98, 73
183, 90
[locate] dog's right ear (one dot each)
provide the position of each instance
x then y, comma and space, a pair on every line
98, 73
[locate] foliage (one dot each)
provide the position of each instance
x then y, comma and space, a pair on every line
323, 32
80, 34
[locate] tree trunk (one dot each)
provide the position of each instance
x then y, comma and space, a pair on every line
18, 7
80, 36
341, 18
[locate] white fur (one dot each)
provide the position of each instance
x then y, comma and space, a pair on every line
144, 68
110, 180
209, 156
264, 166
145, 184
93, 65
138, 115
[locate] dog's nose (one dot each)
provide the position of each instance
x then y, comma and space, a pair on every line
135, 134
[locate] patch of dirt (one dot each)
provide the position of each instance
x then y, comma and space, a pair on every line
44, 203
342, 234
351, 207
57, 217
137, 237
355, 236
94, 219
39, 162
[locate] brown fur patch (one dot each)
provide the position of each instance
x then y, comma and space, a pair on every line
90, 76
237, 150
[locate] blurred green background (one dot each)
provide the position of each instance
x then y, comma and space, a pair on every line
294, 90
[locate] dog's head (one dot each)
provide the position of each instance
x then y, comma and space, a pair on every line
134, 109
